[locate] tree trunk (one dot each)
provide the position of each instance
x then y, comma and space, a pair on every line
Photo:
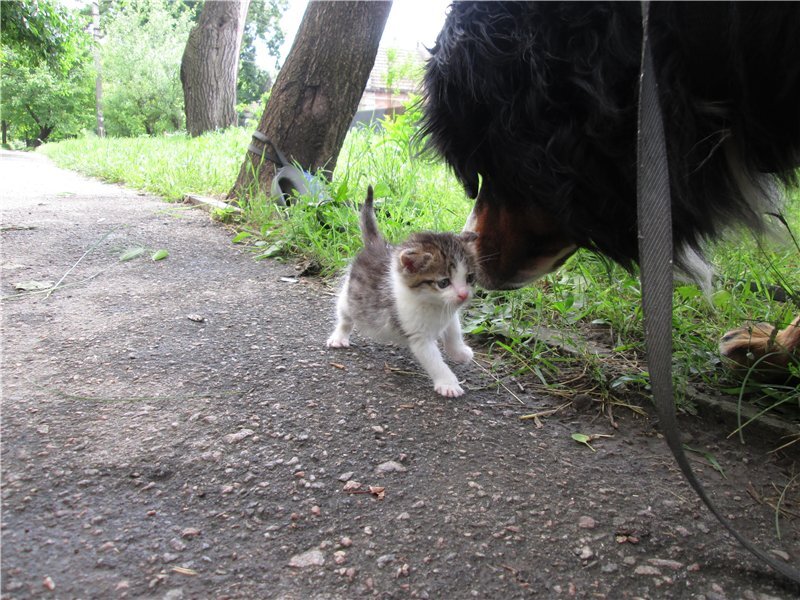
318, 89
5, 132
210, 65
98, 82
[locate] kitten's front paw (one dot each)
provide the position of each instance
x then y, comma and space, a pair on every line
338, 341
461, 354
449, 390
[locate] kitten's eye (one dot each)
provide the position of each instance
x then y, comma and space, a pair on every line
443, 283
470, 278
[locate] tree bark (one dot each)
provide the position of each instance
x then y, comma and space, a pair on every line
210, 65
5, 132
316, 94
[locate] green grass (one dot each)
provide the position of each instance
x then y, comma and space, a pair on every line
169, 165
589, 296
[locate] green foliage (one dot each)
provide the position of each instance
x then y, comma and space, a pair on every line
47, 85
141, 54
263, 23
396, 70
42, 31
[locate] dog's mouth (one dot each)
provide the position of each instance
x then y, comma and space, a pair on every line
531, 269
516, 243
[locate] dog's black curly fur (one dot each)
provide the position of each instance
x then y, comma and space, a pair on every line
539, 101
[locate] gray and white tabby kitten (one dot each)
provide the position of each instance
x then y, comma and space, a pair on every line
410, 295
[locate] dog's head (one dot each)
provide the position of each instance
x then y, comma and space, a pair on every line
517, 242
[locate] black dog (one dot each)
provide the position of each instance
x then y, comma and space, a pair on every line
534, 105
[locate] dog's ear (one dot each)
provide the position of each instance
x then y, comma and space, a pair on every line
414, 261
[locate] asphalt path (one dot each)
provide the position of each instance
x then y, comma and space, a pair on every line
177, 428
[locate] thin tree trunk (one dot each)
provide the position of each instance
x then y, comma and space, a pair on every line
5, 131
44, 130
210, 66
98, 82
318, 89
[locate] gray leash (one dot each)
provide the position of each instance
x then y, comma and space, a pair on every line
655, 258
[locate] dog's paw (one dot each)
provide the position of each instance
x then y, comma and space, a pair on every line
338, 341
449, 390
460, 354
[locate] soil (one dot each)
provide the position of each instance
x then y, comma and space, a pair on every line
178, 429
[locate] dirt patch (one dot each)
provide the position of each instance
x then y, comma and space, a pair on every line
178, 429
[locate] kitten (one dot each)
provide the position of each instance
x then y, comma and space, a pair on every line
410, 295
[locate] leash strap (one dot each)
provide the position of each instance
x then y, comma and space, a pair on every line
655, 256
277, 156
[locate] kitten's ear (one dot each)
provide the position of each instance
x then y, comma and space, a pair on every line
414, 261
468, 236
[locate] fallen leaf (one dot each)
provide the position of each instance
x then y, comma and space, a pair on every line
712, 460
160, 254
184, 571
337, 365
582, 438
33, 286
131, 253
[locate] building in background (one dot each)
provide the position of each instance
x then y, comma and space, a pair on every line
395, 78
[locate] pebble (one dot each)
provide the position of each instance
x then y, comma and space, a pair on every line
664, 562
346, 476
385, 560
311, 558
609, 568
585, 553
339, 557
240, 435
48, 583
391, 466
646, 570
587, 523
780, 554
190, 532
346, 542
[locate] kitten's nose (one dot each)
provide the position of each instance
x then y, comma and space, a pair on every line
463, 295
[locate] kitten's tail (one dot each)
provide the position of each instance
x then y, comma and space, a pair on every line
369, 226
